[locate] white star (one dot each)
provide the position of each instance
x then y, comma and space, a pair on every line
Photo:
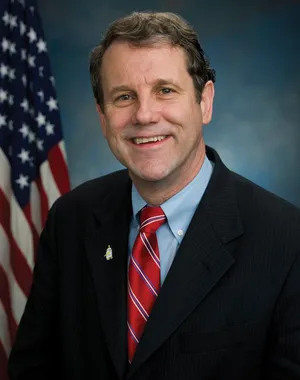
23, 54
41, 45
41, 73
52, 104
5, 44
10, 100
12, 48
6, 18
41, 95
3, 70
11, 125
24, 156
22, 181
39, 144
11, 74
3, 95
49, 129
2, 120
31, 111
41, 120
13, 22
24, 130
31, 136
22, 28
24, 79
25, 105
52, 80
32, 35
32, 9
30, 60
22, 2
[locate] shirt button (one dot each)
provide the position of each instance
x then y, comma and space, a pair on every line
180, 232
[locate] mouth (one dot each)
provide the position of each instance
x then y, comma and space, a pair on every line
148, 140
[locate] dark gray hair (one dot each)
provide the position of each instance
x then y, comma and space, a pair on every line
143, 29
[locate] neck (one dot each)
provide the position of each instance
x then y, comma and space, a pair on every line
157, 192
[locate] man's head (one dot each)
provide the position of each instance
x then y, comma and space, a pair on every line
154, 91
142, 29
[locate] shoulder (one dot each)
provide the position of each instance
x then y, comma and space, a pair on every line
263, 205
93, 193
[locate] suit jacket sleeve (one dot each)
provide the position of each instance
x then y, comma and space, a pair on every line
283, 362
35, 351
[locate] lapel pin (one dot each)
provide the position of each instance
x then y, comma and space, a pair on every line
108, 255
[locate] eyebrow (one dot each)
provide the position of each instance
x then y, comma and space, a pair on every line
157, 83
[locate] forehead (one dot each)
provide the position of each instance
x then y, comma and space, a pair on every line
124, 62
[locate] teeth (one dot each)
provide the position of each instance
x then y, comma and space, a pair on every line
143, 140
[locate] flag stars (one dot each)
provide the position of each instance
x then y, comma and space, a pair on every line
31, 136
32, 35
49, 129
39, 144
22, 28
41, 45
25, 105
24, 80
10, 20
4, 70
10, 100
11, 125
24, 156
11, 74
5, 44
22, 181
52, 104
23, 55
41, 120
41, 95
2, 120
3, 95
30, 60
24, 130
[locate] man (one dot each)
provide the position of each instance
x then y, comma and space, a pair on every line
177, 268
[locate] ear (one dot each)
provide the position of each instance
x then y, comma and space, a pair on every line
102, 117
207, 100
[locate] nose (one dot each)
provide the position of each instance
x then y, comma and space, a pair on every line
145, 113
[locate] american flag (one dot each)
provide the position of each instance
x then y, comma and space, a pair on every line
33, 171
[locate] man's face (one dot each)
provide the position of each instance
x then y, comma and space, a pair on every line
151, 118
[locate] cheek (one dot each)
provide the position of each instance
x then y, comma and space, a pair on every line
117, 122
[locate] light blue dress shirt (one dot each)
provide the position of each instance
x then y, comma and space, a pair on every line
179, 211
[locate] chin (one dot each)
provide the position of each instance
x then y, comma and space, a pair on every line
149, 175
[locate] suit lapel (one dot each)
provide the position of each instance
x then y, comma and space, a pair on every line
201, 261
109, 227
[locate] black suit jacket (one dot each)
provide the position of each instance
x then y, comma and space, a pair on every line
229, 307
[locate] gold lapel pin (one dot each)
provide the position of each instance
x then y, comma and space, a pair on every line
108, 254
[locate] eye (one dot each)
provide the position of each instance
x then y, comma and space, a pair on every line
123, 97
166, 90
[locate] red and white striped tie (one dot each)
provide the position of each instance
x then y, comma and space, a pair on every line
143, 275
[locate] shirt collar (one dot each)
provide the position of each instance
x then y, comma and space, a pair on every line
180, 208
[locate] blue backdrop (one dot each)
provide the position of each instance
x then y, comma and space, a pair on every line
254, 47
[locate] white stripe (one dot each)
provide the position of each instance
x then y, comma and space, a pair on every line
4, 174
49, 183
153, 219
18, 299
63, 149
133, 300
138, 269
35, 206
4, 334
132, 333
19, 225
151, 252
21, 231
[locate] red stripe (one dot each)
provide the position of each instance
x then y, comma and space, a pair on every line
3, 363
44, 201
18, 262
59, 169
6, 301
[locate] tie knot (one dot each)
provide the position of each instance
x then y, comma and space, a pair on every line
151, 218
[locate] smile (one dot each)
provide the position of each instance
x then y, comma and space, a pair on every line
145, 140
